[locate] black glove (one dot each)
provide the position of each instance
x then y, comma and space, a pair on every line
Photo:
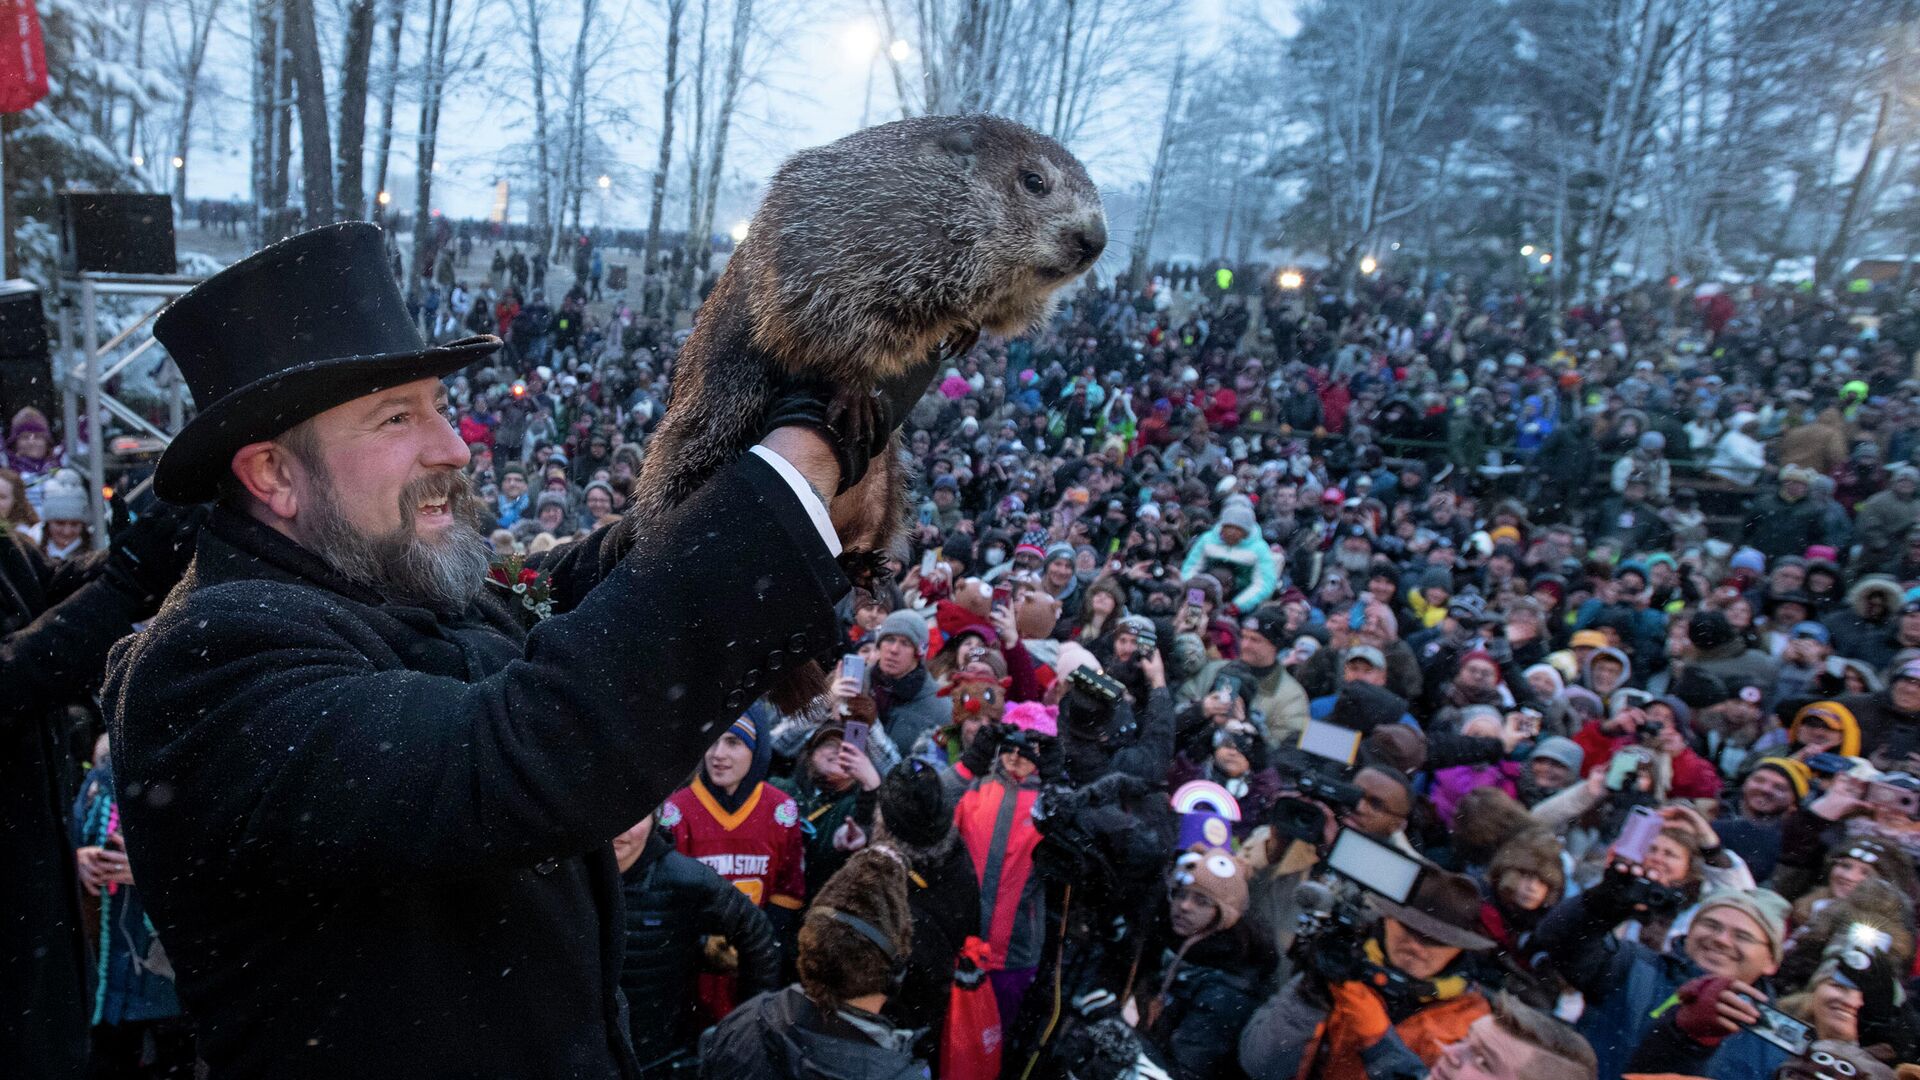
979, 754
146, 558
1879, 1016
1053, 759
858, 426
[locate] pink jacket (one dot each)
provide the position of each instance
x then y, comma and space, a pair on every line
1452, 784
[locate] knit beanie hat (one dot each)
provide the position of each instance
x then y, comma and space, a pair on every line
1561, 749
906, 624
912, 805
1240, 517
1217, 875
1061, 550
1795, 770
64, 497
1764, 906
743, 729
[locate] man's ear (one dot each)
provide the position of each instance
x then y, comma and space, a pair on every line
267, 470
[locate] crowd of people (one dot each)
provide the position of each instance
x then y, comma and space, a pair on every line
1601, 622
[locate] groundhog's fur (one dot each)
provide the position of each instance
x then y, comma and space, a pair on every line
866, 256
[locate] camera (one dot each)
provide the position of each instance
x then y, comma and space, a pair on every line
1320, 771
1105, 687
1333, 926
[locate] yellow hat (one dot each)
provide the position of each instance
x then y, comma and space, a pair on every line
1834, 715
1588, 639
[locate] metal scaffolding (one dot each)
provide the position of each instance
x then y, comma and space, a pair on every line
86, 365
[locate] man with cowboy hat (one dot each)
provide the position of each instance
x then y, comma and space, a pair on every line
1355, 1030
372, 814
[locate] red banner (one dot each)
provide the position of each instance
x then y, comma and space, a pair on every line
23, 56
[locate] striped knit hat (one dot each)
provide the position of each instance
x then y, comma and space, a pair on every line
743, 729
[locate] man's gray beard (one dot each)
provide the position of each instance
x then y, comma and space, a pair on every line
443, 575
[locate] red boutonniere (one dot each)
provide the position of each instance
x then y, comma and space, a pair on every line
528, 591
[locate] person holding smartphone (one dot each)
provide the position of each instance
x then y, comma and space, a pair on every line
1735, 936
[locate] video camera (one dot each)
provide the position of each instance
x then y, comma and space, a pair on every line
1320, 772
1333, 926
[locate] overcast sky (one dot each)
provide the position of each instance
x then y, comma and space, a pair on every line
814, 93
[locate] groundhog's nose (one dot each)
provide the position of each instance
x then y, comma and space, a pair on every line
1088, 241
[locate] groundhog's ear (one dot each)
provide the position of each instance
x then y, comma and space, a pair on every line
958, 142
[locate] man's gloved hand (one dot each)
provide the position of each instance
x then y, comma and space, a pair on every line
859, 426
1713, 1007
1358, 1008
1879, 987
146, 558
979, 754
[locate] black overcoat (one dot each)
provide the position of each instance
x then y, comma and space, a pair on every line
376, 842
56, 624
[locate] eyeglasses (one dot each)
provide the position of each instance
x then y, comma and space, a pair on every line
1742, 938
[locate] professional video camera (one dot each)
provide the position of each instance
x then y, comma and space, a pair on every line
1320, 772
1333, 925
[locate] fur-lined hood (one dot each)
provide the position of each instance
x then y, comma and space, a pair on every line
1867, 586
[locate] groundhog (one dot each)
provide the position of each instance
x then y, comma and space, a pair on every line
867, 257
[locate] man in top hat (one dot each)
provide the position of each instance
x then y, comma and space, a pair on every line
372, 814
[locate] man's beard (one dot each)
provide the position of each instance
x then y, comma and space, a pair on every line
443, 575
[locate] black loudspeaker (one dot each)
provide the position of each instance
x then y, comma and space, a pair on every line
116, 232
26, 368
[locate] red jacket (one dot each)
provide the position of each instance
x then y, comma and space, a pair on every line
995, 820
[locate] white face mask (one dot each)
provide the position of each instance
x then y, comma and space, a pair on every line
995, 556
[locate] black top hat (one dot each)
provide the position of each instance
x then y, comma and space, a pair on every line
283, 335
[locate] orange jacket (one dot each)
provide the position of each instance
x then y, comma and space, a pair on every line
1426, 1033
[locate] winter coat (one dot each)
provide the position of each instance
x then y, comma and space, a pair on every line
1738, 458
385, 846
1776, 527
1858, 638
1451, 785
1214, 989
1623, 981
995, 822
913, 706
1255, 574
673, 903
1735, 665
56, 624
1287, 1031
1820, 445
139, 978
783, 1035
823, 811
1881, 523
944, 899
1887, 735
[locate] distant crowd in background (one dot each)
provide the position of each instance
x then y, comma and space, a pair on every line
1602, 618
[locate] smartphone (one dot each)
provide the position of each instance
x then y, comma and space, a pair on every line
1373, 865
1196, 598
854, 666
1357, 616
1829, 764
1621, 769
856, 735
1330, 741
1643, 824
1894, 796
1532, 720
1781, 1030
929, 559
1001, 594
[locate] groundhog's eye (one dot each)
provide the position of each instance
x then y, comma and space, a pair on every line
1034, 183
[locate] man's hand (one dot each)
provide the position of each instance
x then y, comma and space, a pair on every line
1154, 668
148, 556
102, 866
849, 836
1358, 1008
1687, 817
1005, 626
859, 766
1714, 1007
